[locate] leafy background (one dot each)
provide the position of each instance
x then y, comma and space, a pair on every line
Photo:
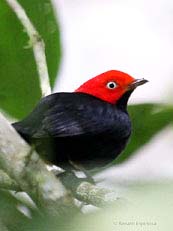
19, 88
20, 91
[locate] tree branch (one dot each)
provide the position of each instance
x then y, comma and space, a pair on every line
7, 183
95, 195
23, 165
87, 192
37, 43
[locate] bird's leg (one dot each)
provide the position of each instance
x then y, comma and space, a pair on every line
69, 179
82, 169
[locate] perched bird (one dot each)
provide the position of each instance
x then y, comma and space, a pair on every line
89, 127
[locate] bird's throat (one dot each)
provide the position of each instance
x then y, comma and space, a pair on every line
122, 102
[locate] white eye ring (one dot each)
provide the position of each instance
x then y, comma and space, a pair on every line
111, 85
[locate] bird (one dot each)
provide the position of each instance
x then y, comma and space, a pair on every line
89, 127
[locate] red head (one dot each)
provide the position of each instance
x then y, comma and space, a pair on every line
110, 86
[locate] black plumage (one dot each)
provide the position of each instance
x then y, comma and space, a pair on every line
77, 127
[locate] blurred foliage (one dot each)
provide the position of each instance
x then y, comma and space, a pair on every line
19, 88
10, 217
145, 207
13, 219
147, 121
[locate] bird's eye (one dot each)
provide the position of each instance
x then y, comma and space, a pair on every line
111, 85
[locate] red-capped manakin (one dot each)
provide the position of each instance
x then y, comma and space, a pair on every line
90, 126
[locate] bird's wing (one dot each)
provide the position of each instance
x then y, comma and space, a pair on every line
67, 114
78, 114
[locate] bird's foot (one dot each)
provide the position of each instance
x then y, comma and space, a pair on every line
80, 168
70, 180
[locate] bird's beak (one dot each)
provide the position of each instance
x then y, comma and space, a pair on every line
136, 83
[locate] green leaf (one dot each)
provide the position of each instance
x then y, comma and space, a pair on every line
147, 121
10, 216
19, 83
